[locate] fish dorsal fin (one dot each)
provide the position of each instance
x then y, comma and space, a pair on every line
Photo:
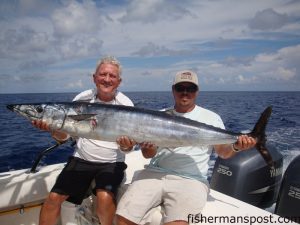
170, 111
81, 117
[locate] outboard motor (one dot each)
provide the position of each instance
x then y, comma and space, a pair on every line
288, 202
247, 177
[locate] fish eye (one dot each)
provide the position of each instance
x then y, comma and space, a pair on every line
39, 109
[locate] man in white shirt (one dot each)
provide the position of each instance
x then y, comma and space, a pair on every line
176, 179
97, 160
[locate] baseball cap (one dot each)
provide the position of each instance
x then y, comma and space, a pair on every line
186, 76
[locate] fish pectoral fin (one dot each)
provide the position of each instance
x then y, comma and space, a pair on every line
82, 117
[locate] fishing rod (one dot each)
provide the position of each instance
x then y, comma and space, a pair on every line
42, 153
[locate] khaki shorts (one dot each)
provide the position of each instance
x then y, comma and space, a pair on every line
177, 196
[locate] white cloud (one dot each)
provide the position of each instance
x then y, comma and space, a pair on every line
150, 49
268, 19
76, 84
152, 11
282, 65
245, 80
22, 41
76, 18
277, 69
84, 46
285, 74
152, 37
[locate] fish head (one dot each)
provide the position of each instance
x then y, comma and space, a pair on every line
52, 114
29, 111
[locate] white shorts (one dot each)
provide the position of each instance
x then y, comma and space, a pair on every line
177, 196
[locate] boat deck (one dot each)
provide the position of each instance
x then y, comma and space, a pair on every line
22, 194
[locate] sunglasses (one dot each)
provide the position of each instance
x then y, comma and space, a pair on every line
189, 89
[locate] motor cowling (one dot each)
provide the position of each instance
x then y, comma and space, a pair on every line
247, 177
288, 201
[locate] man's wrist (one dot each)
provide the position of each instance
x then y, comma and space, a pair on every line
124, 149
60, 137
234, 148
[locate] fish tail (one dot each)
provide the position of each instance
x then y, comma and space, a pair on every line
259, 133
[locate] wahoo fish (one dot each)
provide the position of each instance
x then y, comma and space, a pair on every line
108, 122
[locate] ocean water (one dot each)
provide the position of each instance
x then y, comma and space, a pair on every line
21, 142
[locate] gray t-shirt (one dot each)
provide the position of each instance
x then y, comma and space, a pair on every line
188, 161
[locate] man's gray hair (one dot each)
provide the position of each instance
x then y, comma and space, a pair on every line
110, 60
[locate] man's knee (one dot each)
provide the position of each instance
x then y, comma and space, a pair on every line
105, 202
105, 198
123, 221
55, 199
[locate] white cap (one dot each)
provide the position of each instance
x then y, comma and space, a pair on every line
186, 76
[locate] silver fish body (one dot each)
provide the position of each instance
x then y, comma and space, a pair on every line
108, 122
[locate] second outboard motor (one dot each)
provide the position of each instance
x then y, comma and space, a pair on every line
247, 177
288, 202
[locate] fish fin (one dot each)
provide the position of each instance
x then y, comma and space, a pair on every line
169, 111
81, 117
259, 133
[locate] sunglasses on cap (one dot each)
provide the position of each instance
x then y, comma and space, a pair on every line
183, 88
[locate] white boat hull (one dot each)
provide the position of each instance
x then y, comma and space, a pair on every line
22, 194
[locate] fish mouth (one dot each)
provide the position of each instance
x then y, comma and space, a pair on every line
11, 107
25, 110
15, 108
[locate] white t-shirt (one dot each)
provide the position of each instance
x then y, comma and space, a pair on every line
96, 150
189, 161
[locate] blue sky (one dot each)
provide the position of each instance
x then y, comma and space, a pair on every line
53, 46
